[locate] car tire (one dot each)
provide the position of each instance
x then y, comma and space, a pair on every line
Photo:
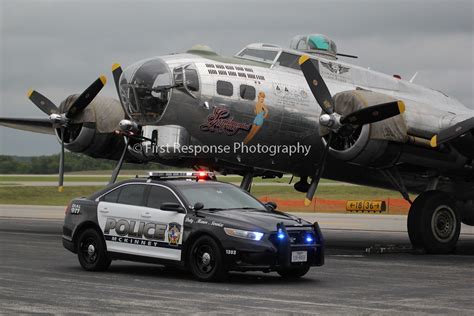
91, 251
293, 273
205, 260
434, 222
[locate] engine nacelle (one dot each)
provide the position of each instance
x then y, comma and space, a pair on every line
92, 131
368, 144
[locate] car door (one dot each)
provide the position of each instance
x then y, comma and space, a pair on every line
118, 216
166, 242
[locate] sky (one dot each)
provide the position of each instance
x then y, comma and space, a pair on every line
60, 47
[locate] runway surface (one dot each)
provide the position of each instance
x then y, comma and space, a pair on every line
39, 276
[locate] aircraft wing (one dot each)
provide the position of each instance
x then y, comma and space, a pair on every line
36, 125
460, 136
453, 132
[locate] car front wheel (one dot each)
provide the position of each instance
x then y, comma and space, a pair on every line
91, 251
206, 261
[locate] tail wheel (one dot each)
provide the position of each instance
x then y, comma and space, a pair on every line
206, 260
91, 251
434, 222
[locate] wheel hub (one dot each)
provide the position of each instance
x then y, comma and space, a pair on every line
90, 250
206, 259
443, 223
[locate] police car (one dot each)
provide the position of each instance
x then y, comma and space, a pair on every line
189, 219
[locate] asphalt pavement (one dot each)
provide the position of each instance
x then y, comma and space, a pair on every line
39, 276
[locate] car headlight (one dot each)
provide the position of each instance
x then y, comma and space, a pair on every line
243, 234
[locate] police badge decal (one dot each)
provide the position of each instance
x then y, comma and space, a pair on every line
174, 232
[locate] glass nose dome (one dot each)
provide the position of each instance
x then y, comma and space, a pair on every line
145, 89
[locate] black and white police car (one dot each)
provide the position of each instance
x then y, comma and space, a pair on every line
190, 220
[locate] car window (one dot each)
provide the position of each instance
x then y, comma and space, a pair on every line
225, 88
111, 196
132, 194
159, 195
247, 92
222, 196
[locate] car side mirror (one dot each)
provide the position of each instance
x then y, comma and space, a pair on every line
172, 207
198, 206
271, 206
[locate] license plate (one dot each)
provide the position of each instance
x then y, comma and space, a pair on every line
299, 256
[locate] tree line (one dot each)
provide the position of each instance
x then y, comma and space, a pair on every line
50, 164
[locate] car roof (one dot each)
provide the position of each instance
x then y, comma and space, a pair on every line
172, 182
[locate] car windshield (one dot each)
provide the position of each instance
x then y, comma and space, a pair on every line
220, 197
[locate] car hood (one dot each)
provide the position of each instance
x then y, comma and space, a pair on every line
254, 219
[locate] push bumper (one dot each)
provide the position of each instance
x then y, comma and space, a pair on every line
273, 253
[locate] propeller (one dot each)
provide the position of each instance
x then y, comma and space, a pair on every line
127, 128
61, 120
336, 122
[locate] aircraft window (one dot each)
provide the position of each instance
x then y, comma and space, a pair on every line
258, 54
192, 79
225, 88
247, 92
159, 195
289, 60
111, 196
132, 194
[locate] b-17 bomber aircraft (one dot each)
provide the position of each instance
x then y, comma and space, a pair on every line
360, 126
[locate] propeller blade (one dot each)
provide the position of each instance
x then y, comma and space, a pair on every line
316, 84
319, 172
61, 163
117, 72
86, 97
42, 102
119, 163
452, 132
374, 113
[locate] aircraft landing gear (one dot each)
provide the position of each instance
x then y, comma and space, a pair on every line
247, 180
434, 222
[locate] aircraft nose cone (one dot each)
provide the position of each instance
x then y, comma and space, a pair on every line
145, 89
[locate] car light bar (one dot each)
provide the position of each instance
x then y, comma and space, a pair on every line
204, 175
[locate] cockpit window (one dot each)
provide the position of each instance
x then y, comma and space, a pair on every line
267, 56
288, 60
192, 79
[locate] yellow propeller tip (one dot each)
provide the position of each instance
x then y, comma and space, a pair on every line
307, 202
29, 93
115, 66
103, 79
434, 141
303, 59
60, 189
401, 106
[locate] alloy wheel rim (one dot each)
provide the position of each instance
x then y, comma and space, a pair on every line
204, 259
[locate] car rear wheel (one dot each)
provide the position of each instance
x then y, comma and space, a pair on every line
293, 273
206, 261
91, 251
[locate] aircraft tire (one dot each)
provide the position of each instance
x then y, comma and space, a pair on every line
434, 223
